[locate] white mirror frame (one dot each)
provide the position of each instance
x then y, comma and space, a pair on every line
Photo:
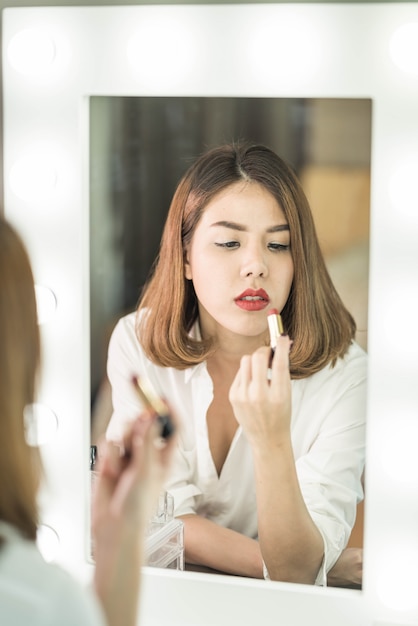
328, 50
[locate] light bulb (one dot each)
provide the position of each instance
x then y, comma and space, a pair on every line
46, 303
287, 49
33, 177
403, 189
31, 52
398, 449
397, 580
161, 51
48, 542
41, 424
404, 48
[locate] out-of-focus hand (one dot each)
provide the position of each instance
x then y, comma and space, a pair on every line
263, 406
348, 570
129, 480
130, 477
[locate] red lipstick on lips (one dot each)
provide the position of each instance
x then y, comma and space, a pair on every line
252, 300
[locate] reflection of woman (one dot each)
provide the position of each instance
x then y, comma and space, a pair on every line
266, 473
32, 591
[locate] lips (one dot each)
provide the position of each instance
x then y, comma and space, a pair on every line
252, 300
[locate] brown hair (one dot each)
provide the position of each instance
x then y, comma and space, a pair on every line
314, 315
19, 360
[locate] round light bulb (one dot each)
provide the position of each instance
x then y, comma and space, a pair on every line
41, 424
160, 51
33, 177
398, 450
46, 303
404, 48
397, 580
31, 52
289, 50
403, 189
48, 542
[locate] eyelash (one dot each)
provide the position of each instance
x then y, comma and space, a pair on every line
274, 247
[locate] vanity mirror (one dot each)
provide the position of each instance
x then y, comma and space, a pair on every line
54, 60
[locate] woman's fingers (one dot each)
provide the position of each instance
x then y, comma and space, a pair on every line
262, 403
280, 377
253, 372
280, 360
259, 366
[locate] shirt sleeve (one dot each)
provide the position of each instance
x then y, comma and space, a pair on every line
330, 472
123, 362
181, 484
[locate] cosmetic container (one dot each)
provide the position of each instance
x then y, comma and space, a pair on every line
164, 544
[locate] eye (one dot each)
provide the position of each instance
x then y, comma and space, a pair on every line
231, 245
278, 247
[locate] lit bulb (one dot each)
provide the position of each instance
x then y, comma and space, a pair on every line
46, 303
397, 580
33, 177
288, 49
398, 449
161, 51
41, 424
48, 542
31, 52
403, 188
404, 48
402, 343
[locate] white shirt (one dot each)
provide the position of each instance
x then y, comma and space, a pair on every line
36, 593
327, 430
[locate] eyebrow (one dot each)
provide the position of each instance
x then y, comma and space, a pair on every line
240, 227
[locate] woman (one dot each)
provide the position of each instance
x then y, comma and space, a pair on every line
267, 473
32, 591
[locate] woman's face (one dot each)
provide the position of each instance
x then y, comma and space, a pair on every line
240, 262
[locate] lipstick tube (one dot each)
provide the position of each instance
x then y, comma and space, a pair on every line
275, 327
151, 400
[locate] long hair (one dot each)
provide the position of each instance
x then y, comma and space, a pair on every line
19, 361
314, 315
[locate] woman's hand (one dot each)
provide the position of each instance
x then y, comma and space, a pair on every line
130, 476
290, 543
263, 406
126, 490
348, 570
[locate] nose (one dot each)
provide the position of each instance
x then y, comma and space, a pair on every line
254, 264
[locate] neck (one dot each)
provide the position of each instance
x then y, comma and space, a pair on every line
230, 350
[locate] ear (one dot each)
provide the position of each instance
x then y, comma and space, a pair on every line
187, 267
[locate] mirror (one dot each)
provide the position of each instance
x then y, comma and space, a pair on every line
153, 51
